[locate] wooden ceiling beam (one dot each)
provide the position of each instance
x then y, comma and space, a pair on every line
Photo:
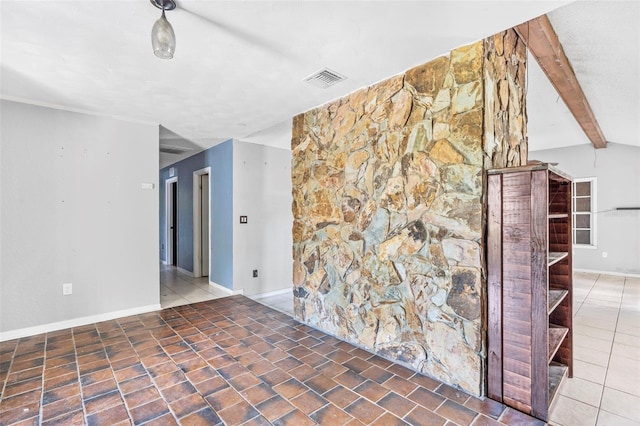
543, 43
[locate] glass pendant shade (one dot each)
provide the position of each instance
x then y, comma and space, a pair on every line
163, 38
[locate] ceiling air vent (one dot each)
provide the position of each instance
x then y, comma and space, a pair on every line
172, 149
324, 78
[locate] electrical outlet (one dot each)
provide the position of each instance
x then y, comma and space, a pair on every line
605, 254
255, 273
67, 289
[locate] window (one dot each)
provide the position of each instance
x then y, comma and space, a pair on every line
584, 209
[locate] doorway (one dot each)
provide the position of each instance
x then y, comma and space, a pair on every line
171, 210
201, 222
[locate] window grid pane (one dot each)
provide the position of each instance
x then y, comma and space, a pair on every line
583, 237
582, 221
583, 188
583, 206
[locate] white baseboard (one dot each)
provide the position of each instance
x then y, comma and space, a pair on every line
184, 271
617, 274
225, 289
76, 322
274, 293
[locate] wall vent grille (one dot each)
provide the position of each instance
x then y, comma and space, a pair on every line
324, 78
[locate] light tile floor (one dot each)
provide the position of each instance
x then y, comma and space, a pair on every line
282, 301
605, 388
177, 288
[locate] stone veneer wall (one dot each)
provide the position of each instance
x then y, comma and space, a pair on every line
505, 119
389, 208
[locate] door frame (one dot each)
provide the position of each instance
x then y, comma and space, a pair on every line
168, 198
197, 220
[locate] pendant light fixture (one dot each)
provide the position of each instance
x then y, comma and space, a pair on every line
163, 39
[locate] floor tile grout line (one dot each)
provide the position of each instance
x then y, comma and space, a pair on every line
606, 373
287, 399
575, 314
585, 298
44, 363
604, 386
6, 380
593, 337
75, 353
388, 389
582, 402
621, 416
223, 378
309, 389
188, 317
126, 406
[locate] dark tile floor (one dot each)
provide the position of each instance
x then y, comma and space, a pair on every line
226, 361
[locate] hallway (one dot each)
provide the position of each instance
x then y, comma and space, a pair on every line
177, 288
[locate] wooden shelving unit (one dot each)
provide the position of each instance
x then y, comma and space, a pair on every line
555, 257
529, 264
557, 215
555, 297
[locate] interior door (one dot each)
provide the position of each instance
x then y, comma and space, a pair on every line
204, 224
174, 223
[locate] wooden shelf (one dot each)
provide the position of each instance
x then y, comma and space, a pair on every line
555, 257
535, 200
556, 335
557, 372
558, 215
555, 297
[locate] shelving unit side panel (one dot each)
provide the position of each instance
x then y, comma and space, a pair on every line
518, 367
516, 184
525, 408
566, 350
512, 337
522, 258
516, 288
517, 352
494, 283
518, 388
539, 289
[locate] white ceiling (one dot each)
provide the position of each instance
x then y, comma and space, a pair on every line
239, 65
602, 41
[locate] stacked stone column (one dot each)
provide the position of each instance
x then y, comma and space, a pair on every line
388, 205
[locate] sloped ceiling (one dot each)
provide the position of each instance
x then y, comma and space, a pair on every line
239, 65
602, 41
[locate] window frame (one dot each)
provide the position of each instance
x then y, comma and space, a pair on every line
592, 213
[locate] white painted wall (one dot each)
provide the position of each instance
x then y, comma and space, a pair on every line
262, 192
73, 211
617, 169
